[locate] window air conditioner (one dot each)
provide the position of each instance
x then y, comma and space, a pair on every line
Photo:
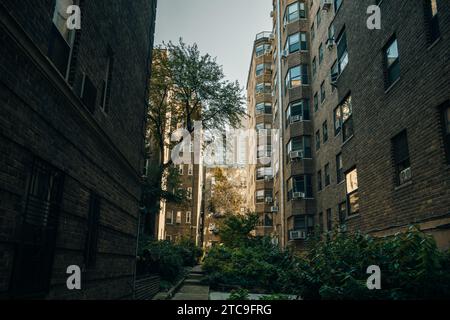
405, 175
296, 154
298, 195
296, 119
297, 235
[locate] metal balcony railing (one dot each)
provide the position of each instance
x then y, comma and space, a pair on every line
263, 35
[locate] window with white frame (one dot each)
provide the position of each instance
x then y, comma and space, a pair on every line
188, 217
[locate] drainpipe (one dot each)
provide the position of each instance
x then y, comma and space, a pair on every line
280, 114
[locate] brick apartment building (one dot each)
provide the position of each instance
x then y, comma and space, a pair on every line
259, 107
184, 220
73, 106
363, 117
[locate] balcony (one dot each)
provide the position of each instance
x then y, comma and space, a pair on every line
264, 35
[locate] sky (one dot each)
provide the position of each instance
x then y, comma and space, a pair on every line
225, 29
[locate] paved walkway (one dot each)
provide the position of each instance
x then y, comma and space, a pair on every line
193, 288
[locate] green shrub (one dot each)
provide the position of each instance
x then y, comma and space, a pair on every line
335, 267
240, 294
167, 259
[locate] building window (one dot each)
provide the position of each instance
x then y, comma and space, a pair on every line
401, 158
39, 224
445, 116
342, 51
106, 83
263, 173
297, 111
351, 179
339, 169
316, 102
262, 88
190, 169
325, 131
180, 169
61, 38
262, 49
300, 184
88, 93
334, 74
322, 92
294, 11
264, 151
318, 17
262, 68
304, 223
347, 119
327, 175
314, 66
189, 193
337, 120
178, 220
263, 108
320, 53
317, 140
302, 144
296, 76
329, 220
342, 207
392, 62
432, 20
264, 195
319, 180
296, 42
188, 217
92, 233
337, 5
313, 32
169, 217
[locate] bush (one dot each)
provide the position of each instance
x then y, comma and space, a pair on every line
240, 295
335, 267
411, 266
167, 259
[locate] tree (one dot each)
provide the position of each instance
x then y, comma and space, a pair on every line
186, 86
236, 230
225, 199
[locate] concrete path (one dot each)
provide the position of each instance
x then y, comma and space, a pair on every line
193, 288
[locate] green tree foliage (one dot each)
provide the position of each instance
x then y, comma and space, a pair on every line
236, 230
185, 86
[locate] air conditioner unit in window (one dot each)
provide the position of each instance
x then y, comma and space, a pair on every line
269, 200
298, 195
297, 235
330, 43
271, 36
274, 209
405, 175
296, 119
268, 178
272, 14
326, 5
296, 154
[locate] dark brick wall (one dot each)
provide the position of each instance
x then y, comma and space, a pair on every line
42, 117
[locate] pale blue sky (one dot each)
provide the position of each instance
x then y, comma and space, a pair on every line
223, 28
